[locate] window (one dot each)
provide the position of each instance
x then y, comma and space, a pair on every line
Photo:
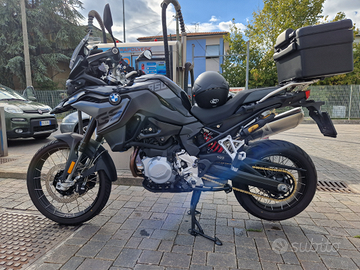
212, 51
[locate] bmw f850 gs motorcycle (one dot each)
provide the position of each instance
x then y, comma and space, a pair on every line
177, 147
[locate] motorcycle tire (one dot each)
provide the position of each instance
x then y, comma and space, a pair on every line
66, 207
302, 183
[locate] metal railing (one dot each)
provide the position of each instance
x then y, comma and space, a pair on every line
50, 97
341, 101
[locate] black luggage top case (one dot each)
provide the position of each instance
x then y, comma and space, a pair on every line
314, 52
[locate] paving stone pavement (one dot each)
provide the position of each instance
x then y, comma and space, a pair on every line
143, 230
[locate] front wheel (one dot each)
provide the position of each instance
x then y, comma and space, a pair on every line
70, 205
269, 205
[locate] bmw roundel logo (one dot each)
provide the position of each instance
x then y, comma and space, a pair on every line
114, 99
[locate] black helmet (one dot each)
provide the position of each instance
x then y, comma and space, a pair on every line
211, 90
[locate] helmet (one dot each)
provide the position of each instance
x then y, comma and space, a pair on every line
210, 90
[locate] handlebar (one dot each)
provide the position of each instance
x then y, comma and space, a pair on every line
131, 74
112, 53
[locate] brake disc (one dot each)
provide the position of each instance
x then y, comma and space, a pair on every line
49, 180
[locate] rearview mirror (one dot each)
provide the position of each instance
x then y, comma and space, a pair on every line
29, 93
108, 21
148, 54
145, 54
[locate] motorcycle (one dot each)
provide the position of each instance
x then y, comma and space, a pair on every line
209, 147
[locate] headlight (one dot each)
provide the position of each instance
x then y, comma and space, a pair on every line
12, 109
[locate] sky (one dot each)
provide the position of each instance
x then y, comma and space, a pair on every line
143, 17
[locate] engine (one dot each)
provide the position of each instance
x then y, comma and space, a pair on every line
161, 173
158, 169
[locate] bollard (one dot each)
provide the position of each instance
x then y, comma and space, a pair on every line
3, 138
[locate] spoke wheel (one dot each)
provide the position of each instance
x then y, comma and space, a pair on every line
63, 203
302, 184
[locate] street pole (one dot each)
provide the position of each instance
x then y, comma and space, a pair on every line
124, 19
247, 64
26, 44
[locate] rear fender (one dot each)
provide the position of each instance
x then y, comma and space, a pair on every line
103, 162
322, 119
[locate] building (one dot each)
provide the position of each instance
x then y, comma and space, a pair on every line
205, 49
357, 38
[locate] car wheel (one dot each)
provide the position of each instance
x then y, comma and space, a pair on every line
42, 136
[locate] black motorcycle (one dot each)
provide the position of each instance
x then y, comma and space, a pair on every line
215, 145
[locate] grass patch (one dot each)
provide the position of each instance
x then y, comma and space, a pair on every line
254, 230
357, 236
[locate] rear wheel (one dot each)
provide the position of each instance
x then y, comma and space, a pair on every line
302, 184
72, 204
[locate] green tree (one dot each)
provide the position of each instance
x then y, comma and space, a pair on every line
264, 28
53, 31
352, 77
234, 67
272, 20
277, 16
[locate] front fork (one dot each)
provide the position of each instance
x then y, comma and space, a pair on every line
74, 160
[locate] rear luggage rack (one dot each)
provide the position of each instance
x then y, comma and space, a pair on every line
304, 84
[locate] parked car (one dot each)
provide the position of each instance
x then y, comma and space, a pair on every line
70, 123
26, 118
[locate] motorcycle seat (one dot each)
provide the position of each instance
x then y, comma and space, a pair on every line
213, 115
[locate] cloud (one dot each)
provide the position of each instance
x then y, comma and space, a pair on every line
225, 26
213, 27
142, 17
351, 8
213, 19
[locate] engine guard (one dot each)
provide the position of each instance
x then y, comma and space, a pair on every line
104, 161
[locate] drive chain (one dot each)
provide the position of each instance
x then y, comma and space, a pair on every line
259, 195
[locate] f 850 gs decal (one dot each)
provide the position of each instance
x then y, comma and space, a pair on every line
157, 86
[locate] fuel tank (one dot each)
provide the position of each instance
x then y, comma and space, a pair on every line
167, 90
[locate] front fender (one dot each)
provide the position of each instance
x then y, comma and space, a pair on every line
72, 139
103, 162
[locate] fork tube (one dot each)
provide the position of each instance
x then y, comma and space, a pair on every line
83, 143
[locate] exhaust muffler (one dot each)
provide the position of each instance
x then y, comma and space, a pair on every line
281, 122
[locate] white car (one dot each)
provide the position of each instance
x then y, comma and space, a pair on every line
71, 122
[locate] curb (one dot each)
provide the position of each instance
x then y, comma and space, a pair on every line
335, 121
128, 181
123, 179
16, 175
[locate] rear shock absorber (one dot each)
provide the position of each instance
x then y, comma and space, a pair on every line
214, 146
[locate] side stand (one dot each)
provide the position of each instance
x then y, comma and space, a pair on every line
199, 231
